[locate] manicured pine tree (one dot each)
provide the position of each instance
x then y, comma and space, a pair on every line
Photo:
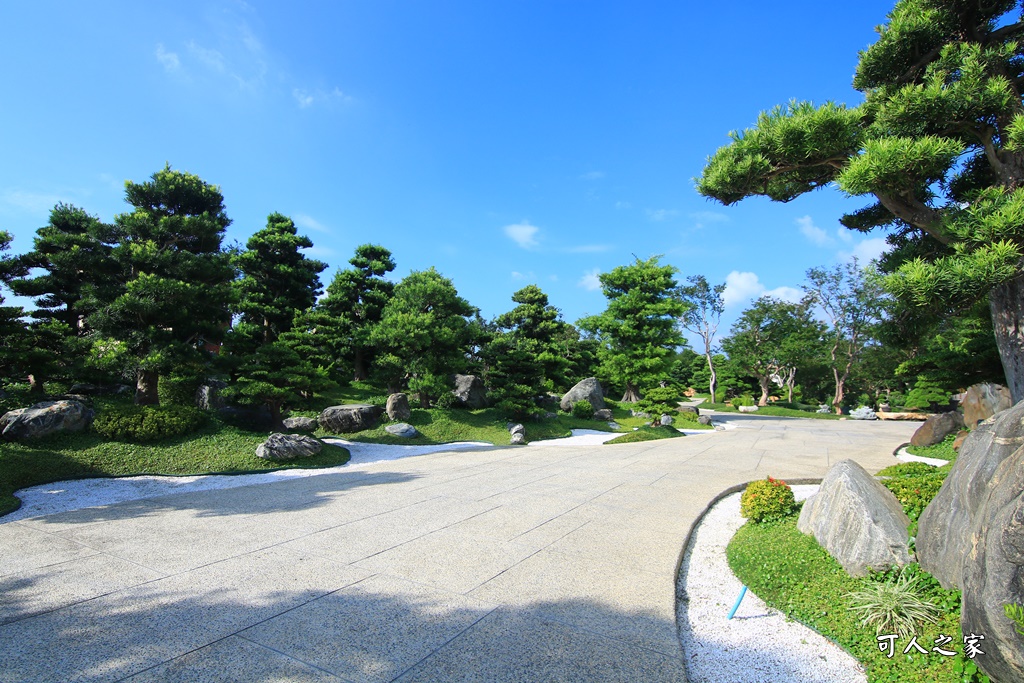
175, 281
276, 376
638, 331
536, 324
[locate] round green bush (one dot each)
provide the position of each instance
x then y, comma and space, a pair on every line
447, 401
148, 423
582, 410
767, 500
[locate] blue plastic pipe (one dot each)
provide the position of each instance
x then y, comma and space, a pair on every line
738, 601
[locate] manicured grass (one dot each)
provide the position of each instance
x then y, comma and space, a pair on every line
773, 411
217, 448
791, 572
941, 451
646, 433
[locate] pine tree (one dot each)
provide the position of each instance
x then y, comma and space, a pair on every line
175, 281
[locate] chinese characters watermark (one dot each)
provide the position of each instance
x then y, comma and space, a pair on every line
972, 645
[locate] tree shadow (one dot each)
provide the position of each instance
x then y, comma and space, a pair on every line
251, 628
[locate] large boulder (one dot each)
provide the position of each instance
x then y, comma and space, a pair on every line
397, 407
982, 401
588, 389
301, 424
288, 447
993, 572
208, 396
349, 418
403, 429
857, 520
45, 418
936, 428
470, 391
946, 525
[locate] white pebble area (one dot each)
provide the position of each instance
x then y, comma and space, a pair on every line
758, 645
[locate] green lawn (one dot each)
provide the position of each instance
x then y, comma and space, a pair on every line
773, 411
941, 451
646, 433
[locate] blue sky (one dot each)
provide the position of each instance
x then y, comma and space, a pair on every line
505, 143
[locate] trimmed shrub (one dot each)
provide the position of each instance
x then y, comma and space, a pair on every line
582, 410
767, 500
659, 401
148, 423
447, 401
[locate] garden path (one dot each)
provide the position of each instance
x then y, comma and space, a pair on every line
517, 564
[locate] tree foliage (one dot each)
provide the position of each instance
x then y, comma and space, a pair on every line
277, 280
174, 279
423, 335
938, 145
637, 332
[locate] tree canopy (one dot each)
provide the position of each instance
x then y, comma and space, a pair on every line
938, 144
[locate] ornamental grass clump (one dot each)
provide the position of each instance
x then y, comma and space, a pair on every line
767, 500
894, 606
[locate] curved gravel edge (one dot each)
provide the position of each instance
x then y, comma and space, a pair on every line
759, 644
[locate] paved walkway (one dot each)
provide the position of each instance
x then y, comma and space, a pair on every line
518, 564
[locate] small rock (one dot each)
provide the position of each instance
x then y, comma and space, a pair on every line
863, 413
550, 416
959, 440
208, 396
689, 409
398, 407
614, 425
301, 424
403, 429
704, 420
603, 414
518, 438
288, 447
666, 421
638, 413
516, 429
747, 409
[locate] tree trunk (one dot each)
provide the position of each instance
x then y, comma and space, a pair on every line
791, 383
275, 415
1006, 302
632, 394
359, 373
837, 401
35, 385
146, 388
714, 376
764, 381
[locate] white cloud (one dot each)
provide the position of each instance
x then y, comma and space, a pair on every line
309, 223
523, 234
590, 280
704, 218
592, 175
844, 234
813, 233
866, 250
307, 98
33, 202
742, 287
659, 215
319, 251
516, 275
211, 58
169, 60
623, 205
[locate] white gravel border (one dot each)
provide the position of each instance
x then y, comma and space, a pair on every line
758, 645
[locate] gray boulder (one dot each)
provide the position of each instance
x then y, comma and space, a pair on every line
470, 391
45, 418
704, 420
515, 428
857, 520
208, 396
288, 447
936, 428
747, 409
301, 424
689, 409
666, 421
993, 572
982, 401
603, 414
403, 429
349, 418
588, 389
397, 407
863, 413
946, 525
518, 438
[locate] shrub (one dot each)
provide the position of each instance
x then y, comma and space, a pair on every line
178, 389
148, 423
893, 606
767, 500
658, 401
447, 401
686, 416
915, 491
1015, 613
582, 410
743, 401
